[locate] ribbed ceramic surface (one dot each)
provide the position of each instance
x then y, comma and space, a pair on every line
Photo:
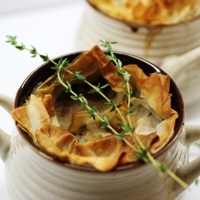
185, 70
31, 176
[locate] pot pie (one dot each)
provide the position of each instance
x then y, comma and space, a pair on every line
61, 128
155, 12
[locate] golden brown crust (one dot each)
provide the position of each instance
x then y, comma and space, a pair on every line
84, 142
149, 11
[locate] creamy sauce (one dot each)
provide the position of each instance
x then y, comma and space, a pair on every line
149, 39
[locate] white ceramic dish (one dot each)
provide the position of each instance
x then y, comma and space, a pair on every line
153, 43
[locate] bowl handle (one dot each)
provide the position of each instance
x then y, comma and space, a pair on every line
174, 65
189, 172
6, 103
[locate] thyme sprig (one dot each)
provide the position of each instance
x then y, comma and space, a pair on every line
61, 65
121, 73
126, 125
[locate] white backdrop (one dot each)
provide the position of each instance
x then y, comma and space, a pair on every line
18, 5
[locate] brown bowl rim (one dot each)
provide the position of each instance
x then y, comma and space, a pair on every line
89, 168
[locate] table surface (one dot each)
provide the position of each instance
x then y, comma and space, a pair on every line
52, 29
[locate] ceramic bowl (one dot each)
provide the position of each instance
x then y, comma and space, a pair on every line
32, 174
151, 42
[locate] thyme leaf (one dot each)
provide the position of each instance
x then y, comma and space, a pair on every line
105, 122
98, 88
12, 40
78, 75
44, 57
142, 155
119, 136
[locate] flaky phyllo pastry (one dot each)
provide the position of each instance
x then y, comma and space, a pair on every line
149, 11
61, 128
